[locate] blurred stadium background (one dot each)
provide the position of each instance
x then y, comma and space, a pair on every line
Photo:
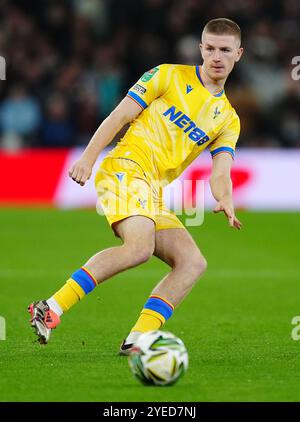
68, 63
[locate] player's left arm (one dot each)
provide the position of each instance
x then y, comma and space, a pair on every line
221, 187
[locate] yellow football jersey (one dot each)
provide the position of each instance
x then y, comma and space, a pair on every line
180, 118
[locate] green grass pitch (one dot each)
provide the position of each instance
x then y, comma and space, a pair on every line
236, 323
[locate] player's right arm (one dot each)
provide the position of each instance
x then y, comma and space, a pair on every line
124, 113
150, 86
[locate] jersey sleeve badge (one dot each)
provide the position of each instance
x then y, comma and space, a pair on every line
149, 74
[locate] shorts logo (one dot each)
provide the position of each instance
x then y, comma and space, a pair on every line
120, 176
139, 88
142, 202
148, 75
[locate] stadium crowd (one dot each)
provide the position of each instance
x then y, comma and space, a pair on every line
69, 62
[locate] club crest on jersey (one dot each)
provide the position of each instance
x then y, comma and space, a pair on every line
148, 75
184, 122
216, 112
189, 88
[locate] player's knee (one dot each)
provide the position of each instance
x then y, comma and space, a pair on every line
196, 266
140, 254
202, 265
143, 255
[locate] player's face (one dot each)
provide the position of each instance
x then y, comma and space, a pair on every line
219, 53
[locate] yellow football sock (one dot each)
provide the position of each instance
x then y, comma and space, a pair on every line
80, 284
69, 295
157, 310
149, 320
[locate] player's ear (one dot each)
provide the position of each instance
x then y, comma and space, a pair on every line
239, 54
201, 49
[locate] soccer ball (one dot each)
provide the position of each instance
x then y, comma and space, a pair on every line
158, 358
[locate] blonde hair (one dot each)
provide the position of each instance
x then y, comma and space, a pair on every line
223, 26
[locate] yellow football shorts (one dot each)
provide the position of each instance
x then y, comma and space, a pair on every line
125, 190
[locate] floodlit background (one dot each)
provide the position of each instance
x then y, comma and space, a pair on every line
68, 64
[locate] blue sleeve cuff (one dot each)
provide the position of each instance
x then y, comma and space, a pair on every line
222, 149
137, 99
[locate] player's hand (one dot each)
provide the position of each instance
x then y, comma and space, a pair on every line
81, 171
226, 206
